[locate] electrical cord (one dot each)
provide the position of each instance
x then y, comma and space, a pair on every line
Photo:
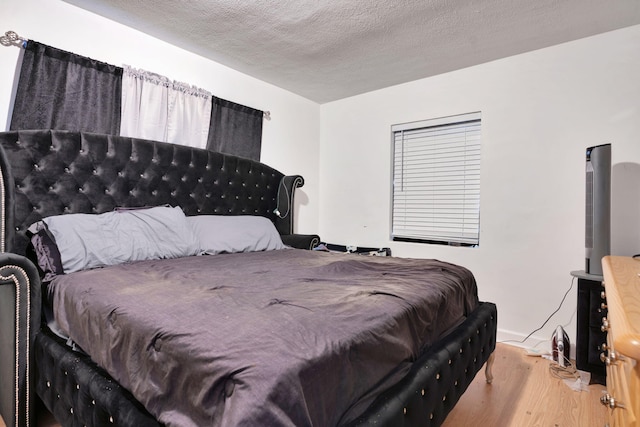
276, 211
548, 318
564, 372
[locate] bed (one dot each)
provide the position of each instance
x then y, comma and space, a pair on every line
311, 309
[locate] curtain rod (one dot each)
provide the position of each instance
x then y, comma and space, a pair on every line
11, 38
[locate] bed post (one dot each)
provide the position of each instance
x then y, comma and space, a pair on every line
284, 202
284, 214
488, 371
19, 323
19, 314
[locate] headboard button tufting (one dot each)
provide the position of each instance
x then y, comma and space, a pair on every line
119, 171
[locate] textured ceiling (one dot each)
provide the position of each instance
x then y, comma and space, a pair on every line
331, 49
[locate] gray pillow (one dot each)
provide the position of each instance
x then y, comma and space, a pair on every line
88, 241
229, 234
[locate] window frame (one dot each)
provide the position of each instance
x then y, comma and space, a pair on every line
441, 122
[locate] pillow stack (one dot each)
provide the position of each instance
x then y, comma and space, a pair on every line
74, 242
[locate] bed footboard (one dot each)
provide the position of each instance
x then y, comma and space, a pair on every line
19, 324
79, 393
432, 388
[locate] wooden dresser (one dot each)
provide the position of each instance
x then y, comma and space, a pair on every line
622, 353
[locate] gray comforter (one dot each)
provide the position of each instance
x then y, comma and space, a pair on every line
286, 337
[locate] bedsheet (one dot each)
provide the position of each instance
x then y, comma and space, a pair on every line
280, 338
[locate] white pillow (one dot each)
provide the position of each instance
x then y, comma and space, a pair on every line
244, 233
88, 241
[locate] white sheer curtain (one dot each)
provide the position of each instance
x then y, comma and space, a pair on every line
153, 107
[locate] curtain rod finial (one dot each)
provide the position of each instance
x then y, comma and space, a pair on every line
11, 38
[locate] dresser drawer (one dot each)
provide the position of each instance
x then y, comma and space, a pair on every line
595, 345
622, 283
597, 304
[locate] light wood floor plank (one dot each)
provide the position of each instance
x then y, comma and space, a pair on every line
525, 394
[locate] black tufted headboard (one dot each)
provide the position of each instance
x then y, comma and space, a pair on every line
49, 172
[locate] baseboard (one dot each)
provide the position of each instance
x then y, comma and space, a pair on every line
534, 341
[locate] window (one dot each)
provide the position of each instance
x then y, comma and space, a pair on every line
436, 181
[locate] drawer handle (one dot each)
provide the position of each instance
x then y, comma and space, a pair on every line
611, 358
609, 401
615, 357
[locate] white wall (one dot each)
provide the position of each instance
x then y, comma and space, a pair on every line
540, 111
290, 139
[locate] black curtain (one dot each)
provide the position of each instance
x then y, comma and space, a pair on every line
235, 129
62, 90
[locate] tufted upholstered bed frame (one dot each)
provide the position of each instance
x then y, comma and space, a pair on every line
44, 173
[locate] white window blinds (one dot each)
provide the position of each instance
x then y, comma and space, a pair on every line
436, 180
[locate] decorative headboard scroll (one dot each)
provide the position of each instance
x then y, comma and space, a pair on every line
47, 172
